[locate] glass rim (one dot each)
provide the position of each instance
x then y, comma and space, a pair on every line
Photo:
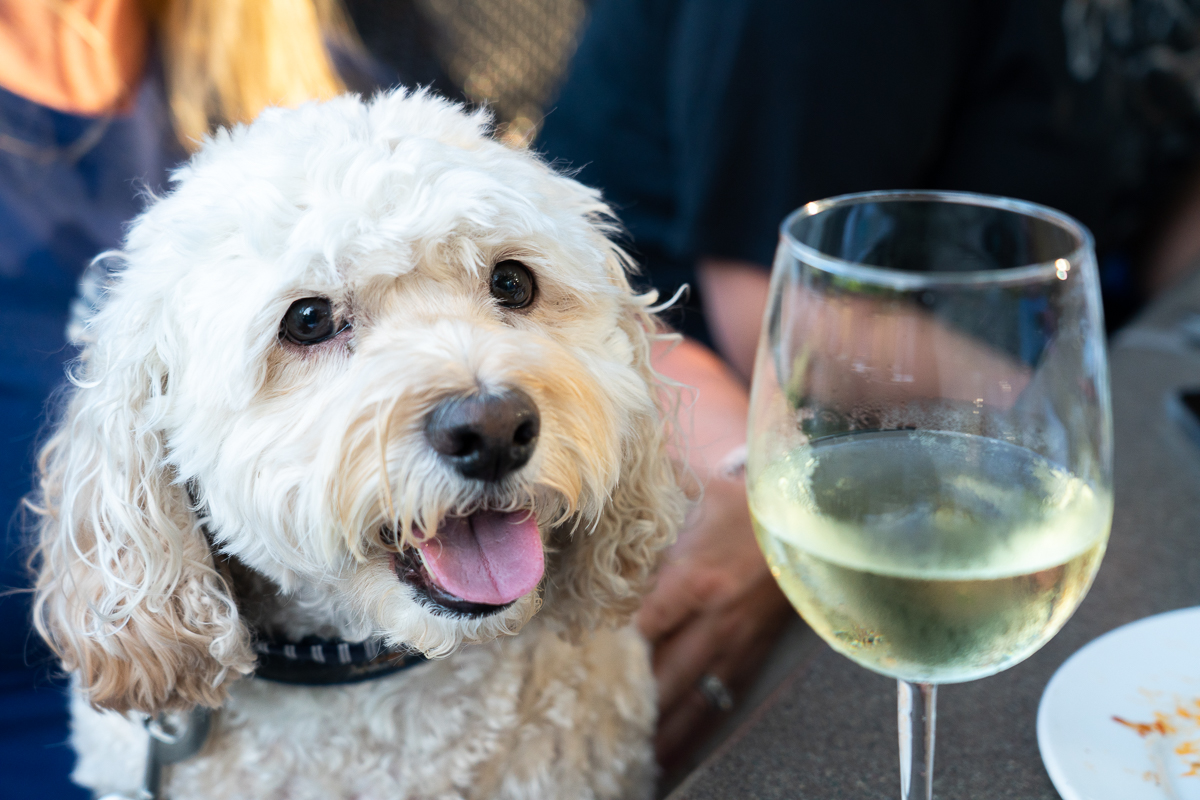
901, 279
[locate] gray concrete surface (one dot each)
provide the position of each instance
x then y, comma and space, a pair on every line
828, 731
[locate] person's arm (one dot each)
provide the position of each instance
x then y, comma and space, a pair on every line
735, 296
715, 608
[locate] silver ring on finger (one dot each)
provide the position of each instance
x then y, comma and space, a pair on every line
715, 692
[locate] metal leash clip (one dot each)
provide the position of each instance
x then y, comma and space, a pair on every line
174, 737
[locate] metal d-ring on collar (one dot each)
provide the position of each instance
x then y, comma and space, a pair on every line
309, 662
174, 737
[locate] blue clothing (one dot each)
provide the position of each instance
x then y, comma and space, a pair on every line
68, 186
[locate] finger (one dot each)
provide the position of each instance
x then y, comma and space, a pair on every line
739, 663
731, 643
692, 718
684, 728
668, 606
690, 586
681, 659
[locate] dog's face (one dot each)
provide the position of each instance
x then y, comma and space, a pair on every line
376, 356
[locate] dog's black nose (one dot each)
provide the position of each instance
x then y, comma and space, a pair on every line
485, 436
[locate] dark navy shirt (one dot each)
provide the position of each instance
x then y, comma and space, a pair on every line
706, 122
68, 186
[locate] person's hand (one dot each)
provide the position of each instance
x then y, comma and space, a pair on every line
715, 609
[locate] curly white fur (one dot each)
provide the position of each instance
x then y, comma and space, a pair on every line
190, 414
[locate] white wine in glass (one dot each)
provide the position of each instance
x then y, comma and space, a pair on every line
930, 440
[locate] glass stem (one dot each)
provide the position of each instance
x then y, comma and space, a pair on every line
916, 704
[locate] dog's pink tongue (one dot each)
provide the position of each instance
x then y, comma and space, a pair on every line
488, 557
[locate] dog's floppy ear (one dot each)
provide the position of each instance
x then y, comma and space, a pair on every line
609, 568
127, 594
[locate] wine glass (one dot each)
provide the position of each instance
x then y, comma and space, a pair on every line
929, 466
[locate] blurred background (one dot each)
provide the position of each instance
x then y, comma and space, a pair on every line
510, 54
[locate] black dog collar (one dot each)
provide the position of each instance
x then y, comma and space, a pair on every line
313, 661
324, 662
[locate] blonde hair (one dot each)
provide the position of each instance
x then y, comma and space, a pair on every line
224, 61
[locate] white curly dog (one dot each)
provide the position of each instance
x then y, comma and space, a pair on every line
368, 375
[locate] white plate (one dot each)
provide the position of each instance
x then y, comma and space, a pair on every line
1120, 720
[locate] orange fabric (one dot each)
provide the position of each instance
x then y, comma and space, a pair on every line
78, 56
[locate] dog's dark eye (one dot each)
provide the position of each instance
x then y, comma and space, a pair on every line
309, 321
512, 284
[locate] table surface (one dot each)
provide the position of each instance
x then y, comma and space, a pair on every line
829, 730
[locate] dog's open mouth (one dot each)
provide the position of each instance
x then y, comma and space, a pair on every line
475, 565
